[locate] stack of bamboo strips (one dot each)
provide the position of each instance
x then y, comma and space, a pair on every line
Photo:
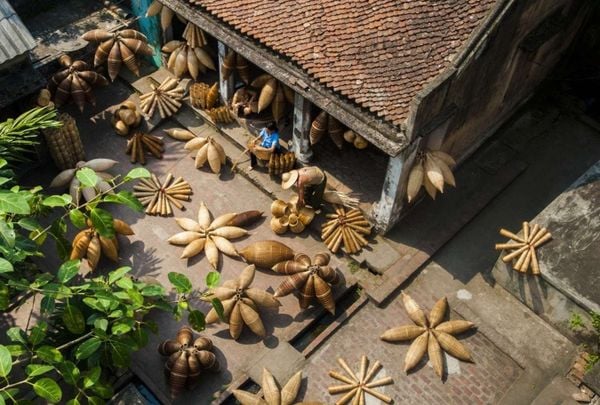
166, 98
158, 196
523, 253
140, 143
347, 227
358, 385
64, 143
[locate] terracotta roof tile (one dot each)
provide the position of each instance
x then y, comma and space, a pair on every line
377, 53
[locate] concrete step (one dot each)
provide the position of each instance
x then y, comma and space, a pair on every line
557, 392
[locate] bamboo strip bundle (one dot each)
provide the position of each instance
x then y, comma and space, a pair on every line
160, 197
166, 98
347, 227
523, 249
140, 143
356, 386
64, 143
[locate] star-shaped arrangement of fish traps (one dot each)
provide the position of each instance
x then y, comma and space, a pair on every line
240, 304
348, 227
271, 394
158, 196
431, 335
311, 279
523, 247
357, 386
212, 236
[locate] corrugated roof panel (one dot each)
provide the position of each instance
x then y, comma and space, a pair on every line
15, 38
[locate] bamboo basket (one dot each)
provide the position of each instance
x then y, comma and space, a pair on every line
64, 143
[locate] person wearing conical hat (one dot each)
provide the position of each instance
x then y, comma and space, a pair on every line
309, 181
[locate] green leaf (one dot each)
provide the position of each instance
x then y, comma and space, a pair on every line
196, 320
48, 389
136, 298
7, 234
38, 333
96, 401
77, 218
34, 370
47, 305
5, 266
29, 224
117, 274
57, 200
15, 334
102, 220
140, 335
137, 173
87, 348
5, 361
126, 198
120, 328
120, 354
182, 284
70, 372
91, 377
73, 319
14, 203
4, 297
212, 279
218, 306
101, 323
73, 401
125, 283
68, 270
153, 290
87, 177
49, 354
104, 390
16, 350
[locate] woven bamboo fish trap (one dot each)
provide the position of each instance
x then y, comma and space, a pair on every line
281, 162
64, 143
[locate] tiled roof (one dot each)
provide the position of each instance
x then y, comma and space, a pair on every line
15, 38
378, 53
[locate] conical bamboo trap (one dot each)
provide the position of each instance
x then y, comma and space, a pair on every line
281, 162
326, 124
357, 386
271, 393
187, 359
119, 48
158, 196
235, 62
75, 81
221, 115
79, 193
90, 245
523, 248
126, 117
312, 280
356, 140
246, 218
166, 14
166, 98
204, 96
209, 235
274, 94
431, 170
348, 227
430, 335
187, 59
266, 253
64, 143
140, 143
288, 216
241, 303
209, 150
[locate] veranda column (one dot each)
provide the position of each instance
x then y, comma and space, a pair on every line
301, 130
226, 87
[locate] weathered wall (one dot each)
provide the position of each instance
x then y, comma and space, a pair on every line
468, 105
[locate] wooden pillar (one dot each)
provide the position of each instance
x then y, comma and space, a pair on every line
149, 26
226, 87
301, 130
387, 210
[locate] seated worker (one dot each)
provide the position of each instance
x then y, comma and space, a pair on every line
244, 102
310, 182
269, 142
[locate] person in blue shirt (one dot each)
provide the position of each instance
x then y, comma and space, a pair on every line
268, 141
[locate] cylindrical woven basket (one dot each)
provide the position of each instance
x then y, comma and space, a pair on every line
64, 143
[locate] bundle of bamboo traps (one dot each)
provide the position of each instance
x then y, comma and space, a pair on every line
431, 335
166, 98
357, 386
311, 279
347, 226
79, 193
140, 143
88, 244
240, 304
166, 14
274, 94
75, 81
64, 143
126, 117
266, 253
158, 196
431, 170
271, 393
235, 62
326, 124
221, 115
287, 215
186, 58
281, 162
204, 96
209, 150
358, 141
524, 247
187, 359
119, 48
209, 235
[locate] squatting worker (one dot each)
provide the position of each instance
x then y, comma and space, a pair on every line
310, 181
269, 142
